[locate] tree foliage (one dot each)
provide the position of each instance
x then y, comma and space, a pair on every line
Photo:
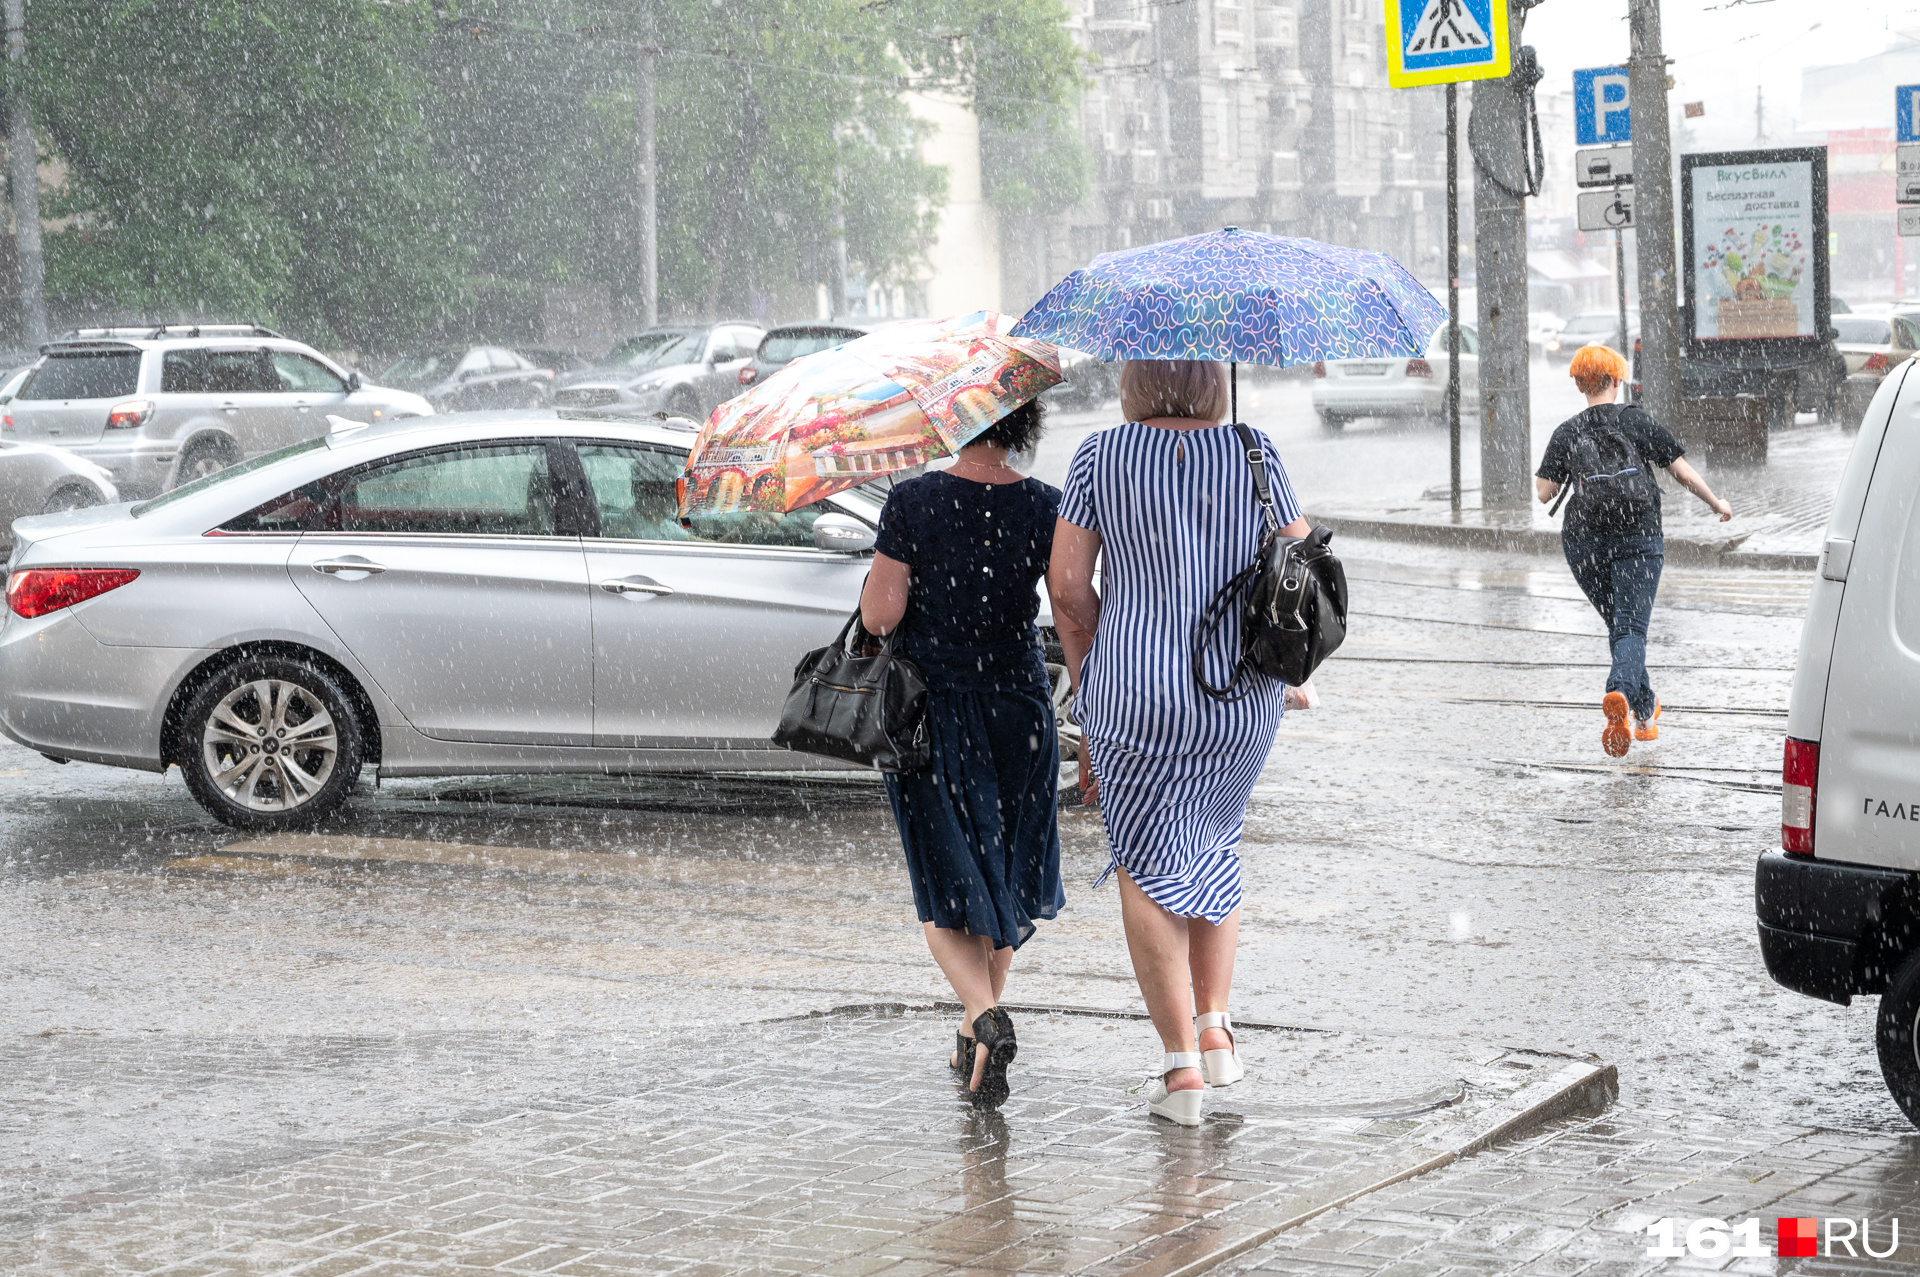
368, 173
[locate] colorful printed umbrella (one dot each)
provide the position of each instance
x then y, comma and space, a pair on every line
913, 392
1235, 296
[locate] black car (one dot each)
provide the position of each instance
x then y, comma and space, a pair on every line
782, 345
476, 377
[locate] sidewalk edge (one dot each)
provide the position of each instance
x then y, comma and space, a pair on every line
1681, 551
1574, 1089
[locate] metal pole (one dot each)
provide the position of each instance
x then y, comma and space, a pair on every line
24, 164
1620, 292
1653, 213
837, 258
1453, 295
1496, 124
649, 207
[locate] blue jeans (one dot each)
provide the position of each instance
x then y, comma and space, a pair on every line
1620, 575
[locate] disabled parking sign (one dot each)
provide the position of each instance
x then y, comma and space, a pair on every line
1443, 41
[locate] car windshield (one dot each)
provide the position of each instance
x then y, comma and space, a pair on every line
786, 346
219, 477
656, 350
1863, 330
1584, 325
421, 372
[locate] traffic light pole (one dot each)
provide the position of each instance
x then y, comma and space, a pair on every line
1453, 295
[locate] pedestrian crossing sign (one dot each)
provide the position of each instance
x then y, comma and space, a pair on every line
1442, 41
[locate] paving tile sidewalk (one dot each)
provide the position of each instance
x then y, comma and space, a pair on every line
834, 1143
1574, 1200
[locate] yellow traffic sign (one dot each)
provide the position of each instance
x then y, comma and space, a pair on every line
1445, 41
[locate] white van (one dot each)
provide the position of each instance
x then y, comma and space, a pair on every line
1839, 904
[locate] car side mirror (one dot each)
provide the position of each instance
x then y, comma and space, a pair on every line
842, 534
353, 382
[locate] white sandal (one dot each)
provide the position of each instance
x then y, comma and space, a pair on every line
1219, 1068
1182, 1107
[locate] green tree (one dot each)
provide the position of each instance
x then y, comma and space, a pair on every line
261, 159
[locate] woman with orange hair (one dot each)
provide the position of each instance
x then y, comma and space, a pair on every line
1612, 536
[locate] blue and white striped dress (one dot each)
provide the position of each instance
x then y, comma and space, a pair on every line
1177, 519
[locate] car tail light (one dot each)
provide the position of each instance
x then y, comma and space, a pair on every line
1419, 368
6, 423
128, 415
1319, 367
747, 375
1799, 777
1876, 362
35, 592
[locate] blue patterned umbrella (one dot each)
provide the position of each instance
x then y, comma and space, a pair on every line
1235, 296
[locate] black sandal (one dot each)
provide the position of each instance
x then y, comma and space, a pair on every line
994, 1030
962, 1061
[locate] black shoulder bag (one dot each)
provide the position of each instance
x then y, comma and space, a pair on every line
1293, 598
870, 710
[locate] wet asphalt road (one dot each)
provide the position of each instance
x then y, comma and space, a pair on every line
1441, 852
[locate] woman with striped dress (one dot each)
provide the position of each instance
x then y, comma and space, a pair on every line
1167, 504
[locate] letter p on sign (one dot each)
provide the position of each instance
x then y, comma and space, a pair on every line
1600, 112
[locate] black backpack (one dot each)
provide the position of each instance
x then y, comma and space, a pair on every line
1613, 488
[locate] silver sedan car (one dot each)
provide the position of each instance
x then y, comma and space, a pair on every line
482, 593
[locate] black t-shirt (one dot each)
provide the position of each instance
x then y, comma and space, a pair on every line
977, 552
1655, 444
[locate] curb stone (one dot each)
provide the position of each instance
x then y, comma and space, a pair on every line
1681, 551
1575, 1088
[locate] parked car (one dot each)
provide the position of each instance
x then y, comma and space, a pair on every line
159, 406
787, 342
1872, 346
1089, 382
1542, 327
38, 479
475, 594
1839, 904
561, 361
1347, 388
1593, 326
477, 377
686, 372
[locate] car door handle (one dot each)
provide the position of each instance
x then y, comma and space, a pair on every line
229, 407
635, 585
331, 566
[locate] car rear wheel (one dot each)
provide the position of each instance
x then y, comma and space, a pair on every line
271, 743
1332, 420
74, 496
204, 458
1898, 1037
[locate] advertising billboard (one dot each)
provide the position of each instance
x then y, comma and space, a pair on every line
1754, 228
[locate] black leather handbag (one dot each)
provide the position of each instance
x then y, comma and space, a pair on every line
870, 710
1293, 598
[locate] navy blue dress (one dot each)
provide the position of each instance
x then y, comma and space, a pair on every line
978, 826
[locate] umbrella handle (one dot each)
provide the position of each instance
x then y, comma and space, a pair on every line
1233, 387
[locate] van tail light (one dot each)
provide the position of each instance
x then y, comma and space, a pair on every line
1319, 367
1876, 362
747, 375
130, 415
35, 592
1799, 776
1419, 368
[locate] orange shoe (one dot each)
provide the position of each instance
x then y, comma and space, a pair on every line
1649, 729
1614, 737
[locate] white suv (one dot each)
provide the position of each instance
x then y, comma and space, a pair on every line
1839, 904
159, 406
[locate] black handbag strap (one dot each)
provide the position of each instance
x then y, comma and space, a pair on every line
1210, 622
1257, 466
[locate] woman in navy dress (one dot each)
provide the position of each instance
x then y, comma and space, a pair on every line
1167, 504
956, 566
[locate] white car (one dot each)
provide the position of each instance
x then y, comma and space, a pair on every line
1344, 389
1839, 903
455, 595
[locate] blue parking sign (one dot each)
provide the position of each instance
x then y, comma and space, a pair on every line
1906, 112
1600, 112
